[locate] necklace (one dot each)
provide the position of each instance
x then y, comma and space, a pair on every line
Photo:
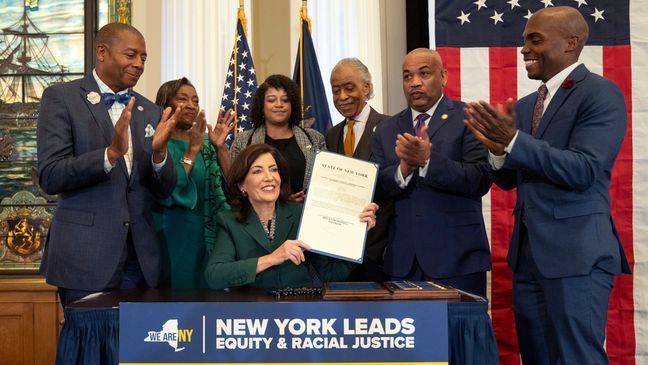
269, 226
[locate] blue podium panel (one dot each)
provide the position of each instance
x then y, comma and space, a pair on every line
414, 332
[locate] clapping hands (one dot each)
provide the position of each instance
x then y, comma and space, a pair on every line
224, 124
412, 151
492, 126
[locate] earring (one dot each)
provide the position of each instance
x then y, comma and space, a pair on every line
243, 192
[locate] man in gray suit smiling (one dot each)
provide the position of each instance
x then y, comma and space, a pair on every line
102, 149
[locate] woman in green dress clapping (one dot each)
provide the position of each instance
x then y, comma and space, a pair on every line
185, 221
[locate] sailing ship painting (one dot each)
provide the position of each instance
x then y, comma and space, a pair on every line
39, 46
37, 49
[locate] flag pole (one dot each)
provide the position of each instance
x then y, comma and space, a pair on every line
302, 17
240, 17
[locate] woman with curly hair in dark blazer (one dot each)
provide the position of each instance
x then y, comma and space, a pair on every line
276, 111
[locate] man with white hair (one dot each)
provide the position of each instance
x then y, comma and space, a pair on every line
352, 88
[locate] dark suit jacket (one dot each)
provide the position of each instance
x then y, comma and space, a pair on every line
438, 217
377, 236
95, 211
335, 136
563, 178
238, 247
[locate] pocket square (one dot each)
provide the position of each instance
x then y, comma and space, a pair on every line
149, 131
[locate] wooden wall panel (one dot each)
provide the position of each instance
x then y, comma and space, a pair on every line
16, 333
29, 321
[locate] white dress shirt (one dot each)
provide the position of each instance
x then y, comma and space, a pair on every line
553, 85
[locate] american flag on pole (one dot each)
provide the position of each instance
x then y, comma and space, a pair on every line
480, 41
240, 82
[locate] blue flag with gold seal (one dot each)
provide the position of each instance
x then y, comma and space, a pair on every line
315, 112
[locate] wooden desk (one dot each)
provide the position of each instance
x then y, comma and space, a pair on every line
470, 332
29, 321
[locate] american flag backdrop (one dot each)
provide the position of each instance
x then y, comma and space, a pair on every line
479, 41
240, 82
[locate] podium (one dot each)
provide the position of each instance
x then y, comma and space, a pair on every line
90, 334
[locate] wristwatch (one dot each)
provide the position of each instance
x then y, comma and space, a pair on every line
188, 161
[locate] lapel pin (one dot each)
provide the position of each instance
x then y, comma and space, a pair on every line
444, 116
567, 84
140, 108
93, 97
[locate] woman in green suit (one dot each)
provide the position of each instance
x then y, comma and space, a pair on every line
256, 242
184, 221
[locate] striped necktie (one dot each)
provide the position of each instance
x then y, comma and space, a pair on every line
420, 123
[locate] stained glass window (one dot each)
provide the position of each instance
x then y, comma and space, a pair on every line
39, 45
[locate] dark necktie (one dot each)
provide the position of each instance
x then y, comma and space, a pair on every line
109, 98
420, 123
538, 109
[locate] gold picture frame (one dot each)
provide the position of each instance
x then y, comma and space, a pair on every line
120, 11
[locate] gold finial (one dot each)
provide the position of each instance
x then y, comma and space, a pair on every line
303, 13
241, 16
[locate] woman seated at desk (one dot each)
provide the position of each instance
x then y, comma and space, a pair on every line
256, 240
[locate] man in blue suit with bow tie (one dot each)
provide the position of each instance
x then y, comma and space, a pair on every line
557, 146
436, 172
102, 149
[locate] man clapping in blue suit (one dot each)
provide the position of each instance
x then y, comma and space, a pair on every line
558, 147
102, 149
436, 172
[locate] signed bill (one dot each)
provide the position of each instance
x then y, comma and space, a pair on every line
339, 190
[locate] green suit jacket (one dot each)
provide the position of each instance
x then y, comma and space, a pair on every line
233, 261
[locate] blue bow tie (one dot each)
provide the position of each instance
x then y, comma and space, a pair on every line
110, 98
